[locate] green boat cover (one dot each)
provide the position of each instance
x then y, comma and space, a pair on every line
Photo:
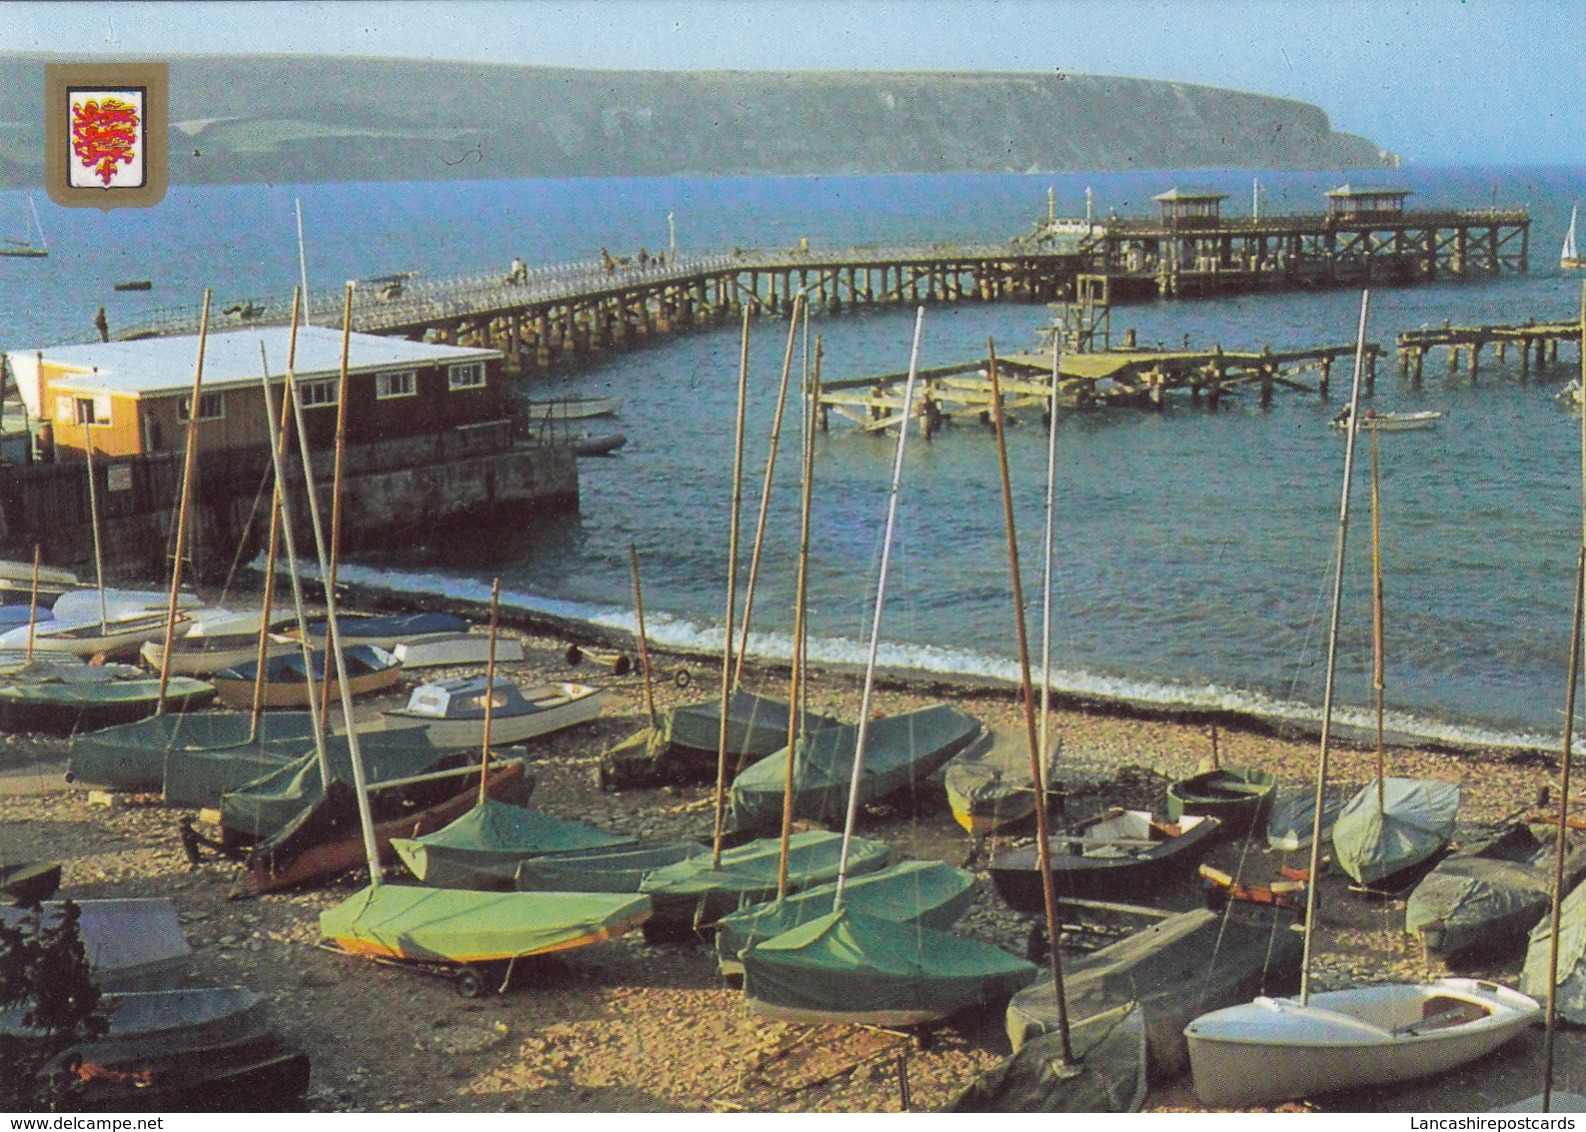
482, 849
1484, 900
900, 750
694, 892
1293, 818
68, 706
849, 967
1415, 822
1571, 983
685, 745
931, 893
1108, 1073
135, 756
756, 726
266, 805
400, 921
620, 868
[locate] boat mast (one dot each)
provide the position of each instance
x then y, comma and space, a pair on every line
732, 596
490, 690
795, 723
1315, 865
344, 684
33, 602
1039, 783
44, 244
335, 489
644, 647
1378, 663
93, 514
1561, 838
875, 623
278, 462
765, 489
1037, 775
189, 460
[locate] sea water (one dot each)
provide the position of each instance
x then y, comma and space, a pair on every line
1194, 550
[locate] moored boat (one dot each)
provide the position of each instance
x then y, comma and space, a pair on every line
483, 848
442, 650
1118, 853
474, 933
451, 713
386, 631
845, 966
989, 786
66, 707
616, 868
1280, 1048
1383, 836
559, 409
1482, 903
1238, 797
903, 750
1373, 421
932, 894
369, 669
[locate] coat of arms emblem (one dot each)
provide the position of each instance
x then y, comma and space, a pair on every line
106, 133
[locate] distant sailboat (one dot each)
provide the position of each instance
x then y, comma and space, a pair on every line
10, 245
1569, 258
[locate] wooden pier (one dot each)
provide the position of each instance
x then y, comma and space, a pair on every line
1123, 377
1536, 342
556, 314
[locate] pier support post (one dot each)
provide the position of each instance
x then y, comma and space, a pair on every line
1324, 376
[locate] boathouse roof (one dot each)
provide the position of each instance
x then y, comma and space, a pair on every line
155, 366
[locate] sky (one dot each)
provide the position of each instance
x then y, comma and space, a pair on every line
1438, 81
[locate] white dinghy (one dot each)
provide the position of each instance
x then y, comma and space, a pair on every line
452, 712
1276, 1049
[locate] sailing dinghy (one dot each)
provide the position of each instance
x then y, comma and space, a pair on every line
451, 713
1275, 1049
1380, 840
1569, 257
902, 751
933, 894
483, 848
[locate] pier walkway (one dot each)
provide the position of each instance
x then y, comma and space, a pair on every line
549, 315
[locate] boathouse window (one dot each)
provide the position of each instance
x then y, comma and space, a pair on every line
400, 383
211, 407
470, 375
316, 393
91, 410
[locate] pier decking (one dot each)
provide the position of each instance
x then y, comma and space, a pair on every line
1534, 340
550, 315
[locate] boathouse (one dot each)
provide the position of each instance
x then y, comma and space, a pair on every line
133, 398
432, 445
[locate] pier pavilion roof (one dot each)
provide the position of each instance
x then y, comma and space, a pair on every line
155, 366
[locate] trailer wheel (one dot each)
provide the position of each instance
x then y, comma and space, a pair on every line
469, 982
681, 677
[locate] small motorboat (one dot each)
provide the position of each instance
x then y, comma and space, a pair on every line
1390, 421
134, 285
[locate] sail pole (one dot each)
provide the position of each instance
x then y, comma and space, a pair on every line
765, 489
93, 514
278, 461
1039, 784
1037, 779
732, 596
875, 622
490, 690
341, 451
1561, 843
189, 461
33, 602
1332, 653
279, 438
644, 647
1378, 662
44, 242
795, 723
344, 684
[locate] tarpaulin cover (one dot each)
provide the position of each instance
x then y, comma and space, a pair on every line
1415, 821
